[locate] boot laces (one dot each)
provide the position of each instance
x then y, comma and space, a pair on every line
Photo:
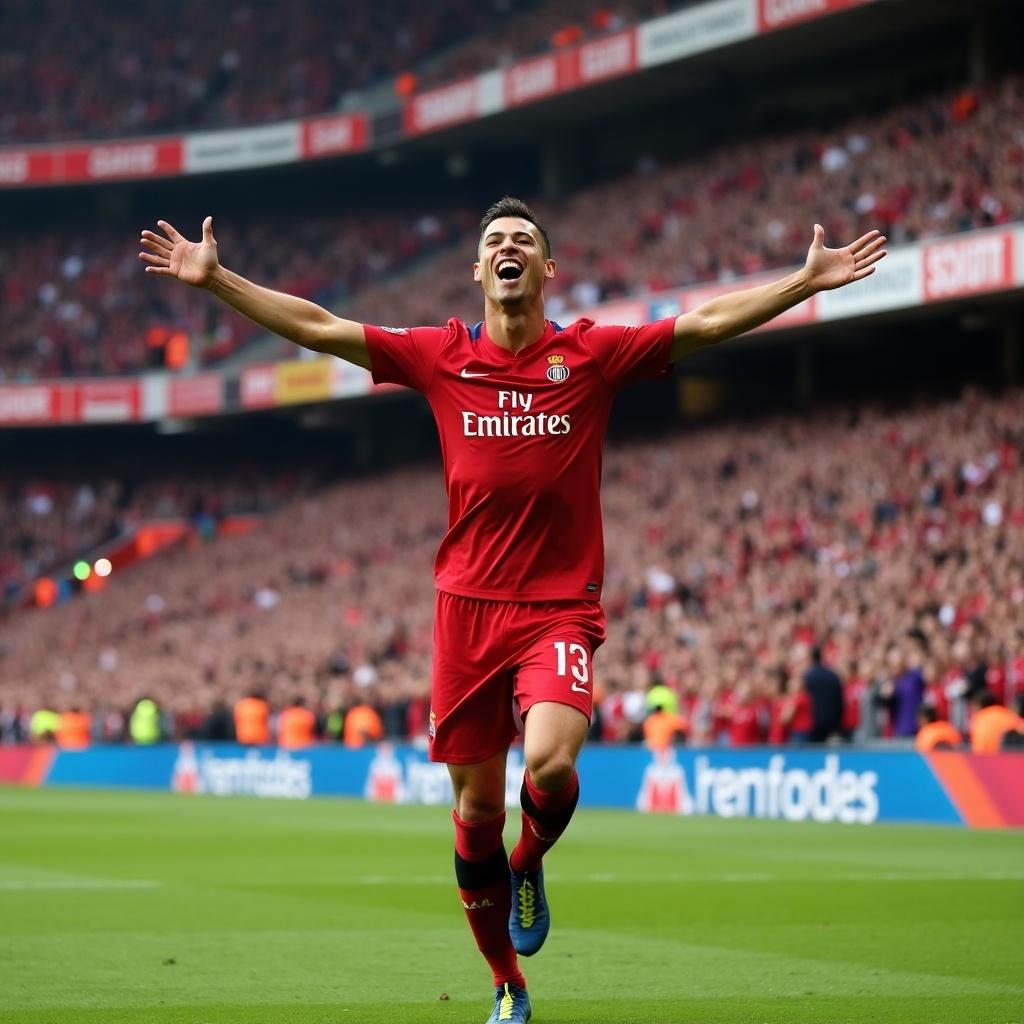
527, 904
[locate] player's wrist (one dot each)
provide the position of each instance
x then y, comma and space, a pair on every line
215, 282
806, 282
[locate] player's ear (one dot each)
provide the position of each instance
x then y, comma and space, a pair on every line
549, 268
476, 271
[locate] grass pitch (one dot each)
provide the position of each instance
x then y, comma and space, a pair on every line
123, 908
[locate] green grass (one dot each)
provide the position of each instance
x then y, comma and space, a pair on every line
154, 908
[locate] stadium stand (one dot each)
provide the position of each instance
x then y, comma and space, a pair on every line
892, 539
47, 521
934, 166
74, 304
143, 68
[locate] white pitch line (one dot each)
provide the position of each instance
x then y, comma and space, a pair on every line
78, 883
729, 879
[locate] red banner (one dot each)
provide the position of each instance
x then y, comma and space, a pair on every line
607, 58
142, 159
338, 133
258, 386
28, 403
195, 396
451, 104
966, 266
773, 14
536, 79
25, 166
107, 401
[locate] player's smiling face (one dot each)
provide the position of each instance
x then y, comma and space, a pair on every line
512, 265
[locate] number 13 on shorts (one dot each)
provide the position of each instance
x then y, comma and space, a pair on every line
573, 658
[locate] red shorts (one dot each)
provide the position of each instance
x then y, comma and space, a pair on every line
492, 658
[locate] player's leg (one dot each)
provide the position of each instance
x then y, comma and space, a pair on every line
554, 689
554, 735
482, 872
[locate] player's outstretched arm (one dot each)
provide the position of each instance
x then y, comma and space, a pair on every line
732, 314
172, 255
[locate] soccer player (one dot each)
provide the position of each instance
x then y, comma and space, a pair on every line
521, 406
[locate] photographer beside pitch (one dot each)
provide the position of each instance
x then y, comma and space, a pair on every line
521, 406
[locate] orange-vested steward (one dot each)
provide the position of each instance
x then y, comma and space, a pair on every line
936, 734
296, 728
252, 721
989, 725
661, 728
74, 730
362, 725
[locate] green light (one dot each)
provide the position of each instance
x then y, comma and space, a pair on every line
82, 570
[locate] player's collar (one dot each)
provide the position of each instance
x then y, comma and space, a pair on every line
479, 331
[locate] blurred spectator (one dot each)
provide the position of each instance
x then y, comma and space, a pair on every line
903, 691
252, 720
144, 725
74, 729
362, 725
43, 725
991, 723
934, 733
826, 693
296, 727
219, 725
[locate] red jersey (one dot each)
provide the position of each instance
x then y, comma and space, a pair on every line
744, 727
521, 436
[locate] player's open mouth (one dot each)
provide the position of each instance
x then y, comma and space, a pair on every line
509, 270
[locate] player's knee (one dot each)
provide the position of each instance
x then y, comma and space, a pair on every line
552, 771
473, 807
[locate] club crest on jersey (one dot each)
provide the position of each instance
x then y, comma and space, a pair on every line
557, 370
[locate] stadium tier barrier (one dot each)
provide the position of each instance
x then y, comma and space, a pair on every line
856, 787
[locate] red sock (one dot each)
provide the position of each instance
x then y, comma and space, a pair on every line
485, 889
545, 817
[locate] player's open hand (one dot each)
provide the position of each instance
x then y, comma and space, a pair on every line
832, 268
173, 255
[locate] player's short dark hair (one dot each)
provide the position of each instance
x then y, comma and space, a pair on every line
509, 206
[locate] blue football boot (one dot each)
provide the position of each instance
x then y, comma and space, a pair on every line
530, 919
511, 1005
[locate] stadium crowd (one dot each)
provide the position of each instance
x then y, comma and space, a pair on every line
76, 303
145, 68
930, 167
47, 522
888, 546
72, 302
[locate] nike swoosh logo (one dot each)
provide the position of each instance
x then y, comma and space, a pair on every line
466, 373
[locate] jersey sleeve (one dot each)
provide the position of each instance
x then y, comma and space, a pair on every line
405, 355
626, 354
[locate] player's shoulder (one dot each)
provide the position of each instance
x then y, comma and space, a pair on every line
453, 327
576, 331
587, 334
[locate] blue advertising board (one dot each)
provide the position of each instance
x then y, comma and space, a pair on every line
791, 784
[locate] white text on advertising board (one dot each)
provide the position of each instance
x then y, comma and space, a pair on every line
775, 791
